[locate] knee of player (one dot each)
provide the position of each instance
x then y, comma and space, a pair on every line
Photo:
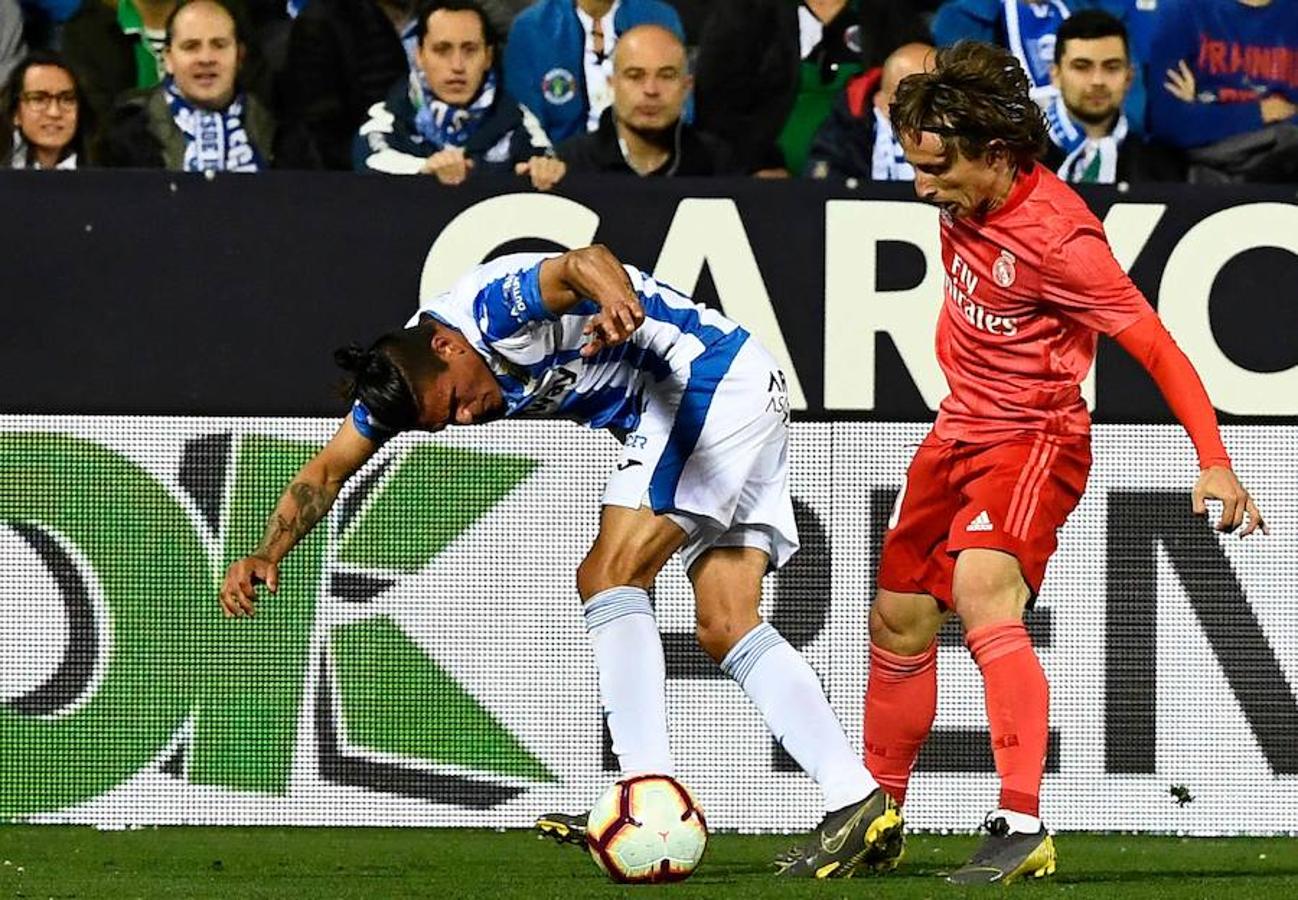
600, 571
982, 600
717, 634
898, 634
904, 623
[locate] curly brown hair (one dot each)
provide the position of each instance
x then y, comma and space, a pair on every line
976, 99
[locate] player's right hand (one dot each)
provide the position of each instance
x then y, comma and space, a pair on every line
239, 590
1220, 483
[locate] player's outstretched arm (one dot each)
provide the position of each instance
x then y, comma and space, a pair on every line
1151, 345
304, 503
595, 273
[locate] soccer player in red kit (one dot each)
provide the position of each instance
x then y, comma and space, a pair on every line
1030, 281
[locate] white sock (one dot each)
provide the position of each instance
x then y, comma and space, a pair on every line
632, 678
783, 686
1020, 823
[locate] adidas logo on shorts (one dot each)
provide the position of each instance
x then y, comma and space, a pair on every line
981, 522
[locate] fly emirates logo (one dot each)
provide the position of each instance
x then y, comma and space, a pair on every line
961, 284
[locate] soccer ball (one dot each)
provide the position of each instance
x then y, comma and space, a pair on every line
647, 829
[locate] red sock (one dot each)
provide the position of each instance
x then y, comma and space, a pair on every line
900, 703
1018, 705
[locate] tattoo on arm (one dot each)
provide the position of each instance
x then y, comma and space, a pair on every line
312, 502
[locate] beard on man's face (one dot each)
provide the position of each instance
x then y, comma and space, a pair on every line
1092, 115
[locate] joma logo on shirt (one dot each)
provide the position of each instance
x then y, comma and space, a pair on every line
960, 284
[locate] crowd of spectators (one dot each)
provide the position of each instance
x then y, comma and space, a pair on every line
1204, 91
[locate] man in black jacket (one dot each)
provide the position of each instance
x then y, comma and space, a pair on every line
642, 132
453, 116
1089, 137
118, 47
200, 118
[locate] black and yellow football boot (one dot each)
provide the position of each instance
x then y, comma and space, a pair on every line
1006, 856
562, 828
864, 837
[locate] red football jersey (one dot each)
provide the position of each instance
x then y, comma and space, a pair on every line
1026, 289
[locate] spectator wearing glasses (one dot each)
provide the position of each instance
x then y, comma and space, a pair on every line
49, 119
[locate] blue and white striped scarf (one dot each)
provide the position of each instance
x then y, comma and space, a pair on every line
215, 140
1085, 159
446, 125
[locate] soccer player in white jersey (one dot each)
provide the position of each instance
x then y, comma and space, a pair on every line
701, 409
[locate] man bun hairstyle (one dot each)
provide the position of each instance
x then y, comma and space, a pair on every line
383, 376
977, 100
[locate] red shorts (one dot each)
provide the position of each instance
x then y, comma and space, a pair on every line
1011, 495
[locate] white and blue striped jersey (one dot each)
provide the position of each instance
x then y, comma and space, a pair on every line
535, 354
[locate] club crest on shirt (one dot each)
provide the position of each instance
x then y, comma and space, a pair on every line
961, 284
1003, 269
558, 86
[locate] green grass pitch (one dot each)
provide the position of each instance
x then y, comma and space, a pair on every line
380, 863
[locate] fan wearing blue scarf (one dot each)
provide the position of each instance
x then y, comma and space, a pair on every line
202, 59
1090, 138
452, 115
1093, 73
199, 119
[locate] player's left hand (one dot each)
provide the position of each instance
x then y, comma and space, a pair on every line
544, 171
1220, 483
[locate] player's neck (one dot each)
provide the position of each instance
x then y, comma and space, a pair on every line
999, 190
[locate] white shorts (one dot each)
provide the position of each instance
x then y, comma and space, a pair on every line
714, 456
